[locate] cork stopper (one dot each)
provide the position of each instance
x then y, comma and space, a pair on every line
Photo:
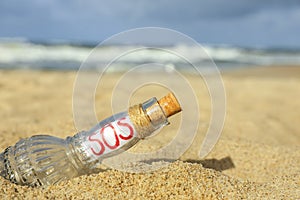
169, 104
152, 114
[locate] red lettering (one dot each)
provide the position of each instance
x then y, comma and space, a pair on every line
118, 133
102, 148
116, 137
128, 126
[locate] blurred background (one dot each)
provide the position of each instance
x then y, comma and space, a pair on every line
55, 34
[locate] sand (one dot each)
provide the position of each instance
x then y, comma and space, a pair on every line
257, 156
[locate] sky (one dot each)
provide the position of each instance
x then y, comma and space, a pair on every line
253, 23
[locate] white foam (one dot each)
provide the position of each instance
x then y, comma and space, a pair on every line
23, 53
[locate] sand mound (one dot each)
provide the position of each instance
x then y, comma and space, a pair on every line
257, 157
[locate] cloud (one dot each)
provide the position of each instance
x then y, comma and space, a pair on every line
214, 21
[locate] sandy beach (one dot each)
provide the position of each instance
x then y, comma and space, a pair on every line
257, 156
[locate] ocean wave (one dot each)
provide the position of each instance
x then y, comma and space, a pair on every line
61, 55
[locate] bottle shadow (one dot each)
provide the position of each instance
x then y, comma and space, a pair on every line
216, 164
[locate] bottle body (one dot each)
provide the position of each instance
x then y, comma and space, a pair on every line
110, 137
45, 160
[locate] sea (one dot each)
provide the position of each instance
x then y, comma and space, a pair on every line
63, 55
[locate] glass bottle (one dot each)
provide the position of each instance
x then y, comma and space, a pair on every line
45, 160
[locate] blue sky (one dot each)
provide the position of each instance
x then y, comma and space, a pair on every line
271, 23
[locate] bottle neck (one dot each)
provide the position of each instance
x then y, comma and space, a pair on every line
155, 113
147, 117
